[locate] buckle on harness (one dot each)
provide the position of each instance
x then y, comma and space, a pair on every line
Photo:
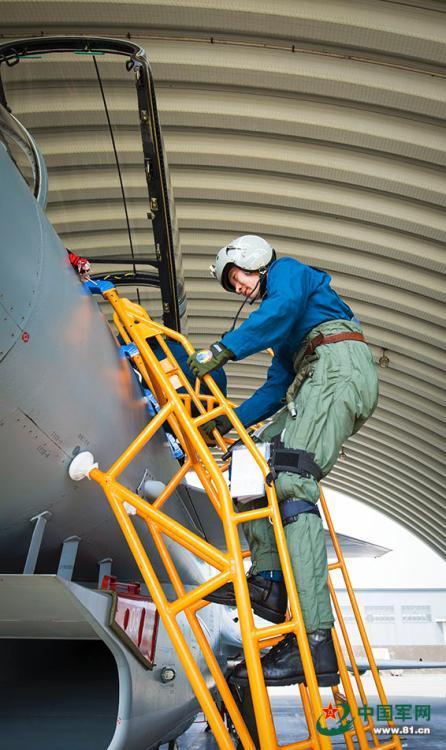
272, 476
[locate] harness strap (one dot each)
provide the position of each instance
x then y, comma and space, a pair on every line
291, 509
333, 339
295, 461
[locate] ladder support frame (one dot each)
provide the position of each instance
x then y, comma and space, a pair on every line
134, 324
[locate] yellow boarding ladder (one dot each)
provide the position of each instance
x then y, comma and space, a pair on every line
134, 324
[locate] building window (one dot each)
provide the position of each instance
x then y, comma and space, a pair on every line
381, 613
416, 613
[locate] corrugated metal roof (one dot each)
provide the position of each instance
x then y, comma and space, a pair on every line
318, 125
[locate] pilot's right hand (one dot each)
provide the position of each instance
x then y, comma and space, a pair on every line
221, 423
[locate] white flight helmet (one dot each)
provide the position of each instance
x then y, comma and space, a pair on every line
249, 252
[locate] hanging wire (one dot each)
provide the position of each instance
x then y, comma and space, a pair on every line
118, 167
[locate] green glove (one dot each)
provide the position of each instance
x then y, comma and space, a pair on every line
206, 360
222, 424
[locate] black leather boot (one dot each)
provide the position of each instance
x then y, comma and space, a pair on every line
268, 598
283, 666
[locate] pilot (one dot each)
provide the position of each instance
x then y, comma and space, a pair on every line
321, 387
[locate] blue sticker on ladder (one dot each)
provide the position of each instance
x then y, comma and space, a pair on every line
99, 286
175, 447
153, 408
128, 350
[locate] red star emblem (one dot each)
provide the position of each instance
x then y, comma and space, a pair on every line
331, 711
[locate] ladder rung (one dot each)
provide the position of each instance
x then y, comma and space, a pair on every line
352, 732
307, 744
334, 566
251, 515
272, 631
199, 592
368, 727
203, 418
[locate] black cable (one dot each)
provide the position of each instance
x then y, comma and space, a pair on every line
118, 166
237, 315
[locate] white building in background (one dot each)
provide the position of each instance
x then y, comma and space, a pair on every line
399, 616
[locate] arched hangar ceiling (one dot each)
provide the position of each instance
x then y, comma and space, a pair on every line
320, 125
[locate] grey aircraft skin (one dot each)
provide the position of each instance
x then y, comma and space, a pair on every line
64, 389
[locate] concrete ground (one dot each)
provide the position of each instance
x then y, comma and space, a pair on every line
409, 689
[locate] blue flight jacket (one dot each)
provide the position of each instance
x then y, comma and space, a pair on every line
297, 298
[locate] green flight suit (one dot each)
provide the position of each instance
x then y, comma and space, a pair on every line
334, 393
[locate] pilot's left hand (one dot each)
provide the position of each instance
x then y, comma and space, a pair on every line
207, 360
